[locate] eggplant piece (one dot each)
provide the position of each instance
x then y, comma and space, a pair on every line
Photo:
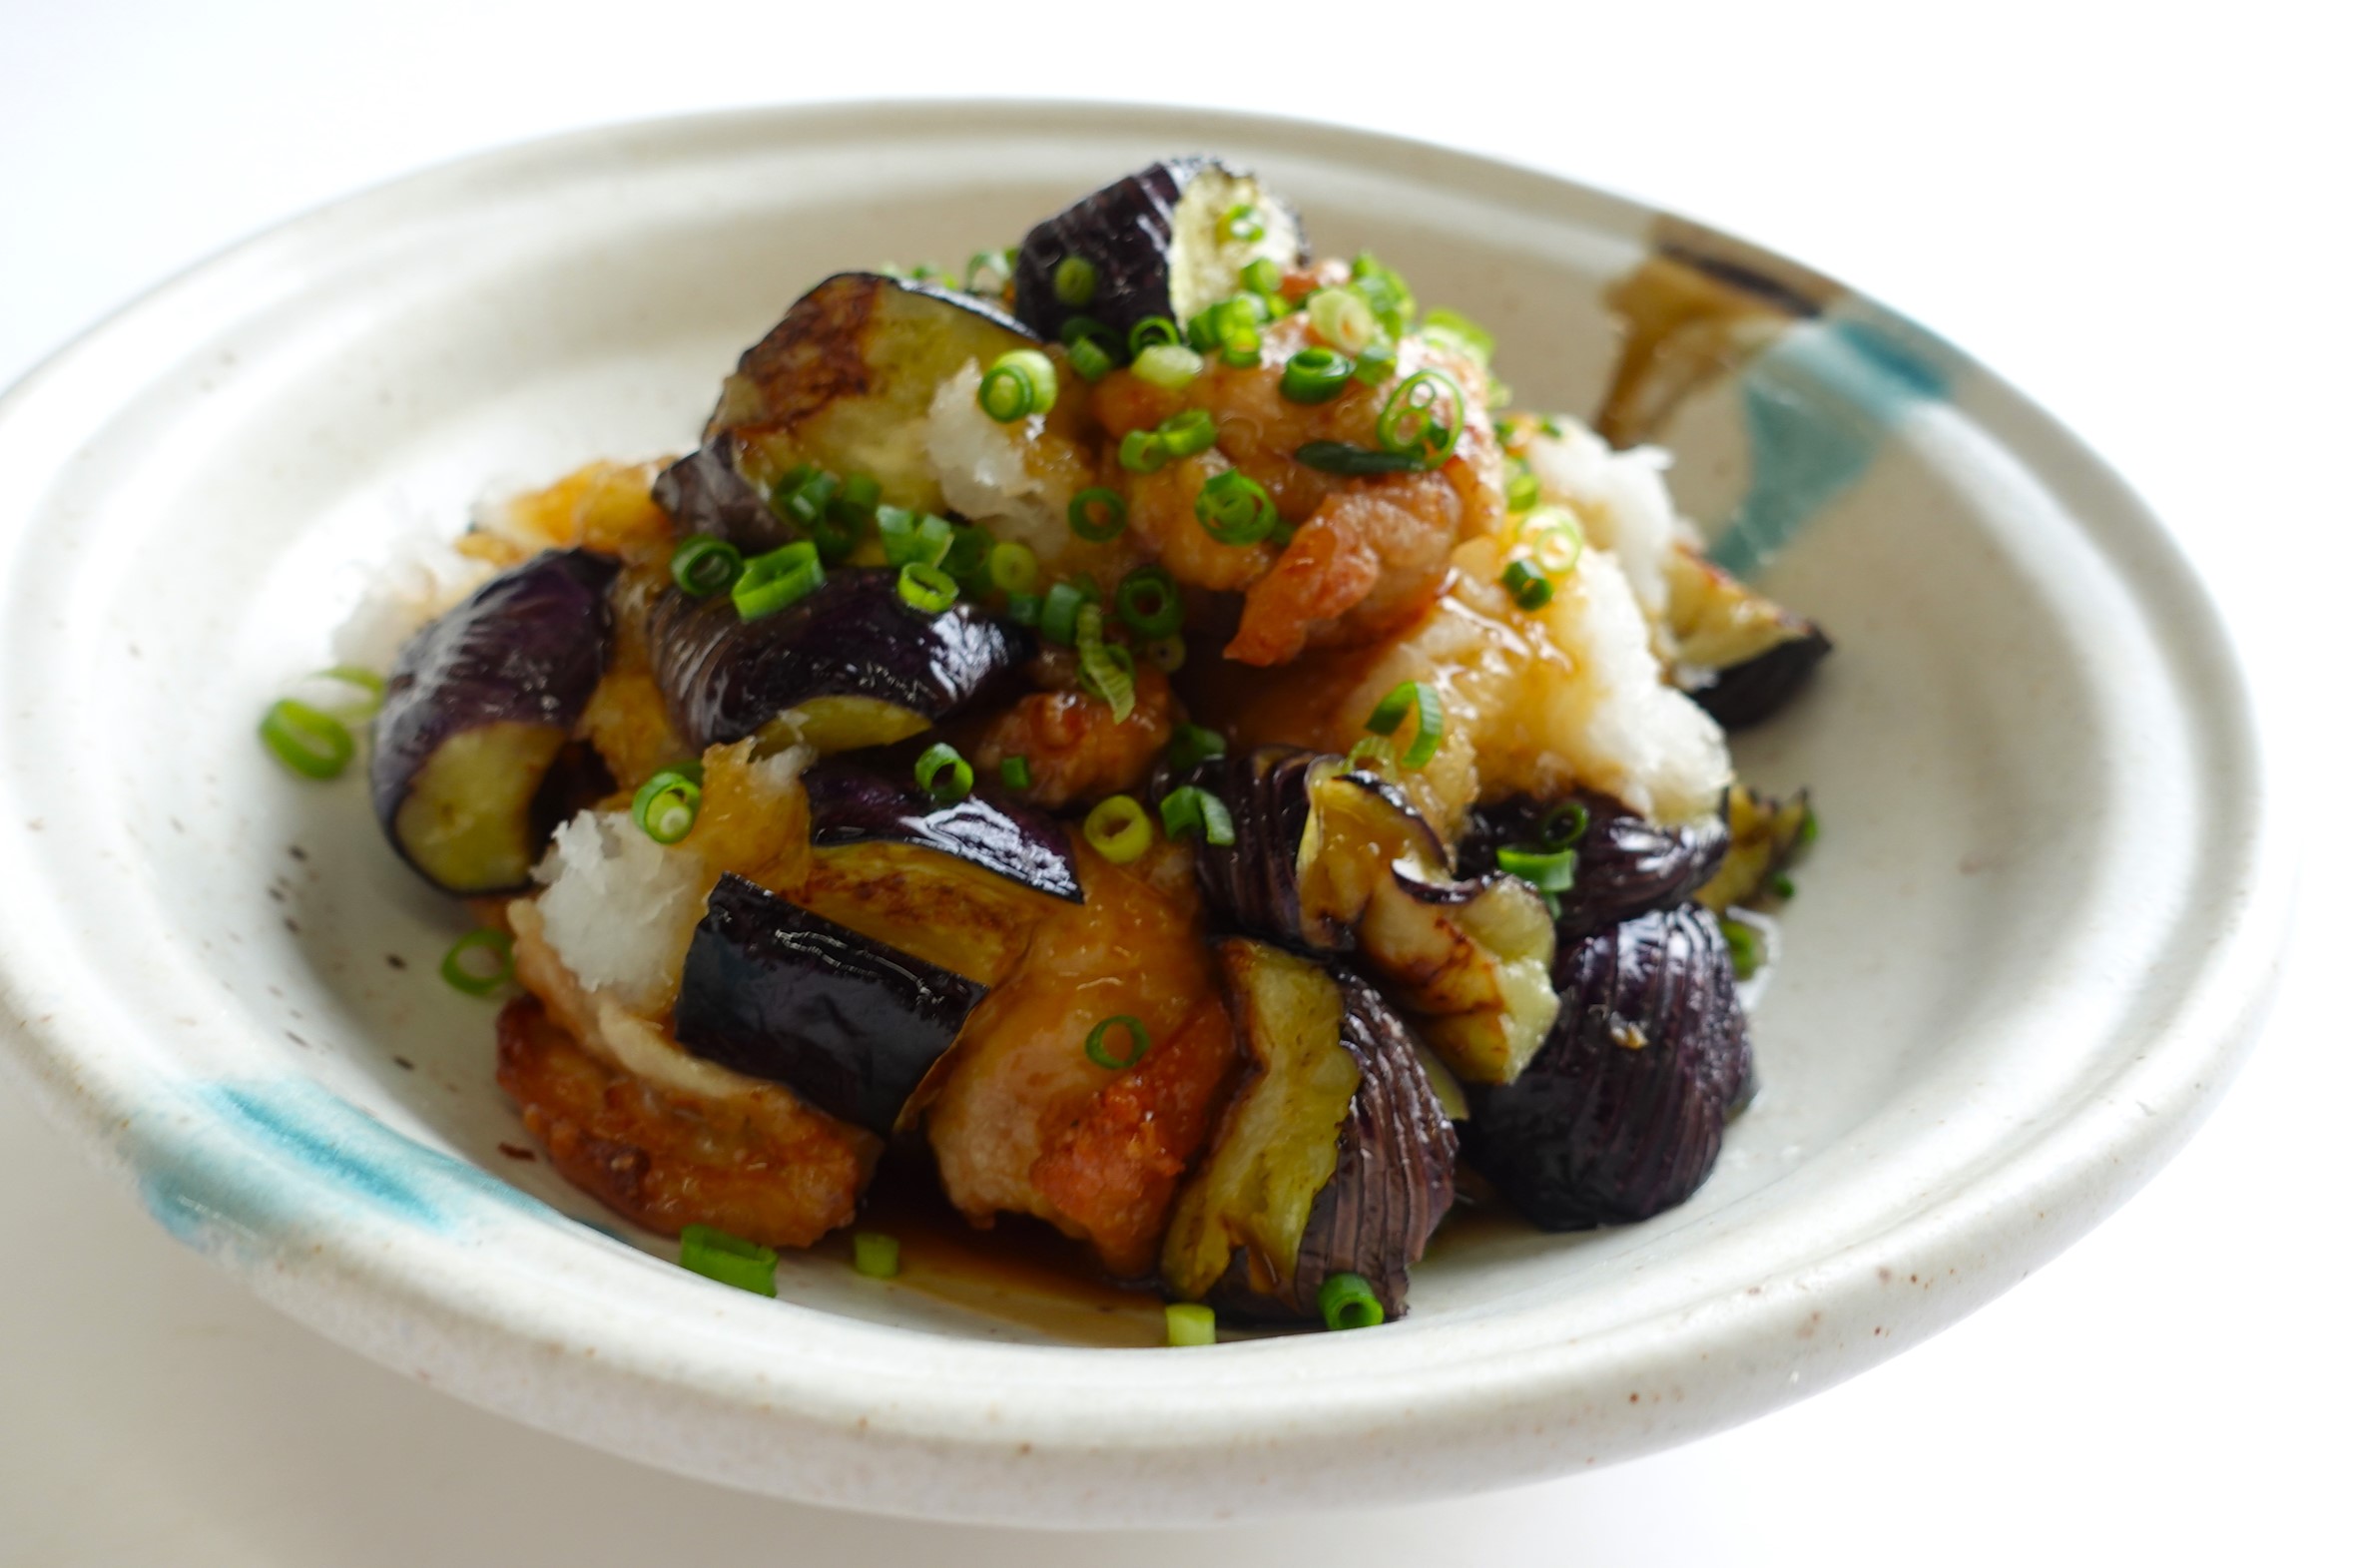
1333, 860
1621, 1114
1157, 244
1626, 864
853, 662
1334, 1156
843, 381
1015, 840
706, 493
477, 711
1738, 655
1766, 836
849, 1025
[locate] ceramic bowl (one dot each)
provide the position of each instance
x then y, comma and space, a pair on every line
2038, 929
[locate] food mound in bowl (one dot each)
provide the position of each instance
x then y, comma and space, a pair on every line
1139, 738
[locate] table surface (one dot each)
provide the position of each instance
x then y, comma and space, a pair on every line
2140, 222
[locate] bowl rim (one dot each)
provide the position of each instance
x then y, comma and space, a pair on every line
989, 1413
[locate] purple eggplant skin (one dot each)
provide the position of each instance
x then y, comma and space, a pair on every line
1133, 234
1620, 1116
704, 493
1755, 690
851, 805
1251, 885
722, 677
1626, 865
1333, 1156
476, 716
847, 1023
1396, 1179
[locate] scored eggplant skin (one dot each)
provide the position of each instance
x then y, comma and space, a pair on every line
1626, 865
477, 711
1141, 238
843, 381
1333, 860
1333, 1156
1739, 656
847, 1023
850, 805
1621, 1114
882, 669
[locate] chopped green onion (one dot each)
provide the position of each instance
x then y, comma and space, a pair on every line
1152, 331
1375, 364
1192, 744
1809, 827
730, 1260
1138, 1040
1013, 566
1372, 753
1189, 809
1019, 384
1385, 291
782, 577
989, 272
1419, 698
1240, 347
942, 774
1015, 772
809, 500
1522, 490
1453, 329
1747, 952
1089, 359
346, 692
1564, 824
1784, 888
1118, 828
1241, 222
1075, 282
462, 966
1316, 375
1191, 1323
1262, 276
927, 588
967, 558
1409, 421
1143, 453
1165, 654
909, 536
1106, 669
1235, 509
314, 743
703, 565
1341, 318
1346, 1302
667, 805
1024, 609
1529, 589
1097, 515
1059, 618
1551, 535
1338, 457
873, 1254
1169, 366
1551, 871
1188, 432
1149, 602
1077, 329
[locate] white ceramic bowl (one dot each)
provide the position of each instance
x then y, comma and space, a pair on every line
2036, 932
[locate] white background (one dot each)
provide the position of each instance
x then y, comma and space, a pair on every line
2138, 215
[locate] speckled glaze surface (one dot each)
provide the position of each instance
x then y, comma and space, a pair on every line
2039, 929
